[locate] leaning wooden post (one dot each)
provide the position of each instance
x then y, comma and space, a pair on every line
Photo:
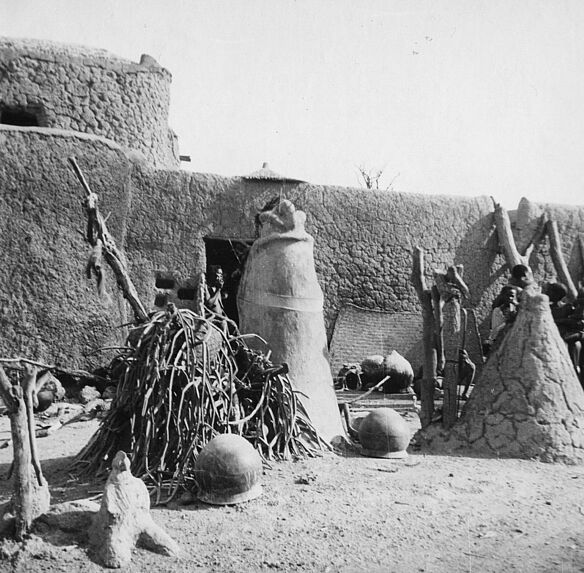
100, 239
558, 259
425, 296
506, 240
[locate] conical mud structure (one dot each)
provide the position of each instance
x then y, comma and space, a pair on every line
528, 402
280, 299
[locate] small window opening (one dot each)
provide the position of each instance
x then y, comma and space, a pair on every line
186, 293
161, 300
29, 116
164, 282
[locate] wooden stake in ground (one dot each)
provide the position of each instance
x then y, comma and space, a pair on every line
451, 288
430, 358
124, 519
31, 496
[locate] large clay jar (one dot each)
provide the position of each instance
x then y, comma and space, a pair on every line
383, 433
228, 470
280, 299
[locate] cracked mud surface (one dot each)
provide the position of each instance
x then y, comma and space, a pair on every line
527, 402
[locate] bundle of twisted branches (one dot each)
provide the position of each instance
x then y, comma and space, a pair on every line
181, 382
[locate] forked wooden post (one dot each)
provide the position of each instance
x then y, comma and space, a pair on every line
506, 239
425, 296
31, 493
451, 287
545, 226
100, 239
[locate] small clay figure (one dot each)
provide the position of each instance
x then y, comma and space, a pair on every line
124, 519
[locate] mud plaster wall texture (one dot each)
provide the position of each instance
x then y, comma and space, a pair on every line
363, 239
91, 91
570, 225
49, 311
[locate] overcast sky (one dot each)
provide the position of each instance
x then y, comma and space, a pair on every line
454, 97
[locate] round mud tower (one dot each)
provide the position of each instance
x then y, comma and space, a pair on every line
280, 299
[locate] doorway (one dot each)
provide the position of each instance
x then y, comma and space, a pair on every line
230, 255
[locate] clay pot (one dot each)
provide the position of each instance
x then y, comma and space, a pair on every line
383, 433
228, 470
45, 399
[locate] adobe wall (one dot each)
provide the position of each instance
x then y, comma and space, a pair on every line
363, 240
49, 311
570, 226
91, 91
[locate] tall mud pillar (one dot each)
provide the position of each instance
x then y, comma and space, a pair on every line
280, 299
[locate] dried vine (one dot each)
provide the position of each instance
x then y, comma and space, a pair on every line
181, 383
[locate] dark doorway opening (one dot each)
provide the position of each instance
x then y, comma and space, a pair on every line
230, 255
25, 116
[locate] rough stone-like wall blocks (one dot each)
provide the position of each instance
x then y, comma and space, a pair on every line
91, 91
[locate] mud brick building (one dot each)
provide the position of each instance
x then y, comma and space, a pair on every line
58, 101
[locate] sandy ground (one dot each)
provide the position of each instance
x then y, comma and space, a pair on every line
346, 514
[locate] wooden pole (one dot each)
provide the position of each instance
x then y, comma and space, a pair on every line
452, 340
559, 261
425, 296
506, 240
29, 391
438, 328
18, 364
22, 498
97, 233
581, 245
31, 493
452, 288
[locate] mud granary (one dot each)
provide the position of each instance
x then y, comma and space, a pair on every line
58, 101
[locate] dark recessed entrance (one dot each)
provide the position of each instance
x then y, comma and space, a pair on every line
230, 255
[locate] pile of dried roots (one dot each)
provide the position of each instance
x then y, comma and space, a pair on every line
181, 382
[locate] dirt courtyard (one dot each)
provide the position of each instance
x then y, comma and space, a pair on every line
342, 514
